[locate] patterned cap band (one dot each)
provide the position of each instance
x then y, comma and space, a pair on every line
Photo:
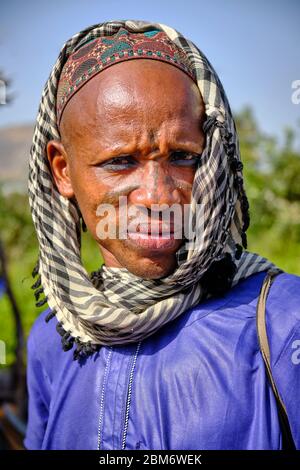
96, 55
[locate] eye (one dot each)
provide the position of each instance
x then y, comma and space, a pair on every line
185, 158
119, 163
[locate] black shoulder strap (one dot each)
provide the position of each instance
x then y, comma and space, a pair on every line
287, 438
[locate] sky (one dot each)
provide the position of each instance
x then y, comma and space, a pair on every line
254, 46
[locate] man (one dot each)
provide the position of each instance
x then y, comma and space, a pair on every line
134, 118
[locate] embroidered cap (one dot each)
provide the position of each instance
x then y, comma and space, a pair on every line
93, 56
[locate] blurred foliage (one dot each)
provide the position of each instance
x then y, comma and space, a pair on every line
272, 180
21, 248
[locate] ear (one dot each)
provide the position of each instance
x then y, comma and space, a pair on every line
58, 159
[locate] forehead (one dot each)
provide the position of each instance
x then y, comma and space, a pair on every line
131, 93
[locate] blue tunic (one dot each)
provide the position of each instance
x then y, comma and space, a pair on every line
197, 383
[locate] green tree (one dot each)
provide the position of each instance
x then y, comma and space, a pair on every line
272, 179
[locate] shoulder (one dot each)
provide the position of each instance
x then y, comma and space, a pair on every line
44, 343
283, 314
42, 332
283, 302
235, 313
239, 302
283, 328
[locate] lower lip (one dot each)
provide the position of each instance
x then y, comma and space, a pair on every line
151, 241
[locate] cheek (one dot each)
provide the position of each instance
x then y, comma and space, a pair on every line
93, 187
183, 178
182, 172
89, 191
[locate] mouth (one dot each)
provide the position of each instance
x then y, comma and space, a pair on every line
161, 238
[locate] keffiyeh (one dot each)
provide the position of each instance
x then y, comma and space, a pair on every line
113, 306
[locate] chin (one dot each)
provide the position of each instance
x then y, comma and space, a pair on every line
143, 263
152, 269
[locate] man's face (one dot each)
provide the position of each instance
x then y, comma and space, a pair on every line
134, 130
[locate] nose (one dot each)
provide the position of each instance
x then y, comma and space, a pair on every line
157, 186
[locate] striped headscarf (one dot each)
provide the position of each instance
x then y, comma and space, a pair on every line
113, 306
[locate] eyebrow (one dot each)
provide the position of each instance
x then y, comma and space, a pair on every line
119, 151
